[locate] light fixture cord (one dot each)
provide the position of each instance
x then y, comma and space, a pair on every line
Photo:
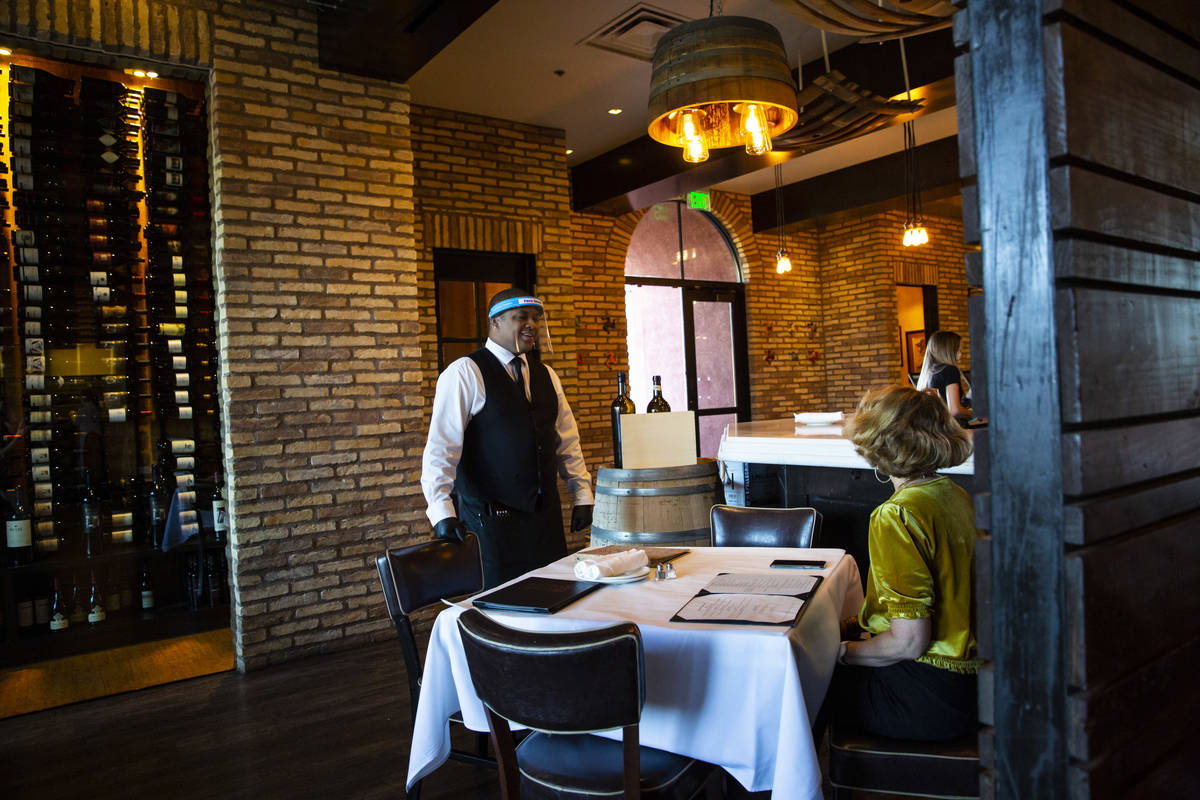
718, 5
779, 202
825, 50
913, 201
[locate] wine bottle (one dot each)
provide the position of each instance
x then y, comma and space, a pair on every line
95, 604
25, 614
18, 529
657, 403
146, 590
78, 601
112, 595
219, 511
60, 613
91, 518
621, 404
41, 605
159, 503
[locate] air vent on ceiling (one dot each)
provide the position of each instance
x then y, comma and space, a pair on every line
635, 32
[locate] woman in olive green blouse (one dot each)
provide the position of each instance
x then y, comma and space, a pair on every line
913, 677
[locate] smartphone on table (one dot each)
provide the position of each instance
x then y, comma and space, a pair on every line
792, 563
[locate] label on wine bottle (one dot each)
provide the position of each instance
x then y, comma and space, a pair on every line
179, 278
122, 536
182, 397
40, 472
59, 622
32, 312
113, 602
174, 345
41, 610
171, 329
177, 261
183, 446
173, 162
24, 239
116, 415
189, 516
178, 362
23, 180
45, 545
220, 517
35, 383
40, 435
181, 312
185, 412
98, 278
29, 275
182, 378
121, 519
147, 598
43, 491
39, 455
101, 294
39, 400
25, 614
32, 328
18, 533
187, 499
27, 255
35, 346
32, 292
43, 508
188, 531
181, 296
40, 417
96, 614
35, 364
185, 463
172, 179
185, 480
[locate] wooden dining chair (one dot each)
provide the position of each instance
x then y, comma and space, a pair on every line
414, 578
566, 686
741, 526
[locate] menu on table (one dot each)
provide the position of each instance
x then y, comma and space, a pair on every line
750, 599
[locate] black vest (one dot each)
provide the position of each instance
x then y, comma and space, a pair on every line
509, 448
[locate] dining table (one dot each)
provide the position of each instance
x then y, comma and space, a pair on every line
741, 696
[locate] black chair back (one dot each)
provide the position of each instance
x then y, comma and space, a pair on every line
572, 682
738, 526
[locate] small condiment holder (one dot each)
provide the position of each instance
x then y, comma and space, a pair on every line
664, 571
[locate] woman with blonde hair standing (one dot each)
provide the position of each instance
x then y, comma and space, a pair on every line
940, 371
914, 676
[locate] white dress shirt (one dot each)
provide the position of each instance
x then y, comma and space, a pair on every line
459, 397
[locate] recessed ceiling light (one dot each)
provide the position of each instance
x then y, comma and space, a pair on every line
137, 73
569, 151
614, 111
4, 51
151, 74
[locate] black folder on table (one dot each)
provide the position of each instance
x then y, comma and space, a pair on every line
535, 595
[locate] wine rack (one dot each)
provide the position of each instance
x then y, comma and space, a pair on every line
110, 481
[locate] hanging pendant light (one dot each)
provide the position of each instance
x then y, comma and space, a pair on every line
721, 82
914, 223
782, 262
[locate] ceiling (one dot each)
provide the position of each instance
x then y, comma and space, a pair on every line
559, 64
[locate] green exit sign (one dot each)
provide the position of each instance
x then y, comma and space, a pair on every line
699, 200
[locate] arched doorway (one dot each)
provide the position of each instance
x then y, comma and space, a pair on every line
686, 315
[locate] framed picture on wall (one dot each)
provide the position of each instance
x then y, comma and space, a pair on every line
914, 345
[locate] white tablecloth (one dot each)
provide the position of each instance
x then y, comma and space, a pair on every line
739, 696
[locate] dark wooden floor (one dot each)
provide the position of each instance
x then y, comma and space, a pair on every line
326, 727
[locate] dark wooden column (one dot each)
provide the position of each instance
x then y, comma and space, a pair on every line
1025, 460
1080, 121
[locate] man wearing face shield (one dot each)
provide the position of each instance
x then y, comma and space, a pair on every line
500, 434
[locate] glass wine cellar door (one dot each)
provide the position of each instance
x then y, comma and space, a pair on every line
110, 467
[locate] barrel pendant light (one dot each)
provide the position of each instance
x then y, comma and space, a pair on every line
721, 82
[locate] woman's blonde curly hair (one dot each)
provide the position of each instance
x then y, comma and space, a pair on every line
904, 433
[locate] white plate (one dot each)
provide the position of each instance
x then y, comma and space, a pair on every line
627, 577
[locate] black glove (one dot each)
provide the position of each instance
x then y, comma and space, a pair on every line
581, 517
451, 529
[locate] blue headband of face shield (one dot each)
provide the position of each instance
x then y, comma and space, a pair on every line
513, 302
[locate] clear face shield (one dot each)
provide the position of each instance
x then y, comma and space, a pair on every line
522, 325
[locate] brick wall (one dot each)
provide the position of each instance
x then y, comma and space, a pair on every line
316, 303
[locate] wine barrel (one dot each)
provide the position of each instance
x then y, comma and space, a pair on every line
655, 507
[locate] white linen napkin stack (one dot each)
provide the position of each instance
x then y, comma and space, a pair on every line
609, 566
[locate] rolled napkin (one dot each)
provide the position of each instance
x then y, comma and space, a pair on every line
609, 566
819, 417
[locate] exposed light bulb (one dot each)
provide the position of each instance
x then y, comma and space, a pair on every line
695, 148
4, 51
151, 74
755, 132
782, 262
915, 235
